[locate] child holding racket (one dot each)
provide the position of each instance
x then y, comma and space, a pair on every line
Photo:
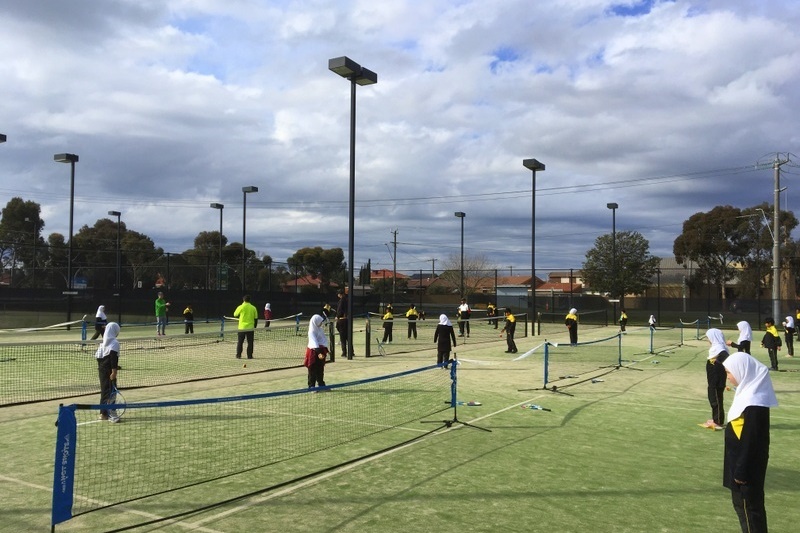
442, 336
745, 337
508, 329
107, 356
772, 342
316, 352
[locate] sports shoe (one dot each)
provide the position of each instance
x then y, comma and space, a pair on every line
102, 417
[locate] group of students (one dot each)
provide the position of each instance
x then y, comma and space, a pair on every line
748, 419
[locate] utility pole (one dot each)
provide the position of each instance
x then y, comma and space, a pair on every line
776, 237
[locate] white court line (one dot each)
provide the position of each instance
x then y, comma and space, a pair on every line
143, 514
289, 490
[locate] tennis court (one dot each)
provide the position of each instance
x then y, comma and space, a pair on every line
623, 454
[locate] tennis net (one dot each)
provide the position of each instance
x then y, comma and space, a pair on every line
198, 454
41, 371
566, 365
548, 323
476, 330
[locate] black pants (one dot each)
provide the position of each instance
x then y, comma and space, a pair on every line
249, 335
717, 406
387, 333
104, 368
316, 373
773, 357
342, 329
412, 329
749, 505
789, 338
512, 346
442, 357
189, 327
463, 325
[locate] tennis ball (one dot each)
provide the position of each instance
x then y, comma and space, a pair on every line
244, 365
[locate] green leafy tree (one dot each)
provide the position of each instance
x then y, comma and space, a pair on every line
634, 268
20, 228
324, 265
714, 241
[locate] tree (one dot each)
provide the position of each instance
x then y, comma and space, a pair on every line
713, 240
325, 265
634, 269
20, 228
478, 271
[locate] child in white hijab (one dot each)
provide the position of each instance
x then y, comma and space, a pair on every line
788, 335
442, 337
745, 337
715, 375
107, 356
747, 439
100, 321
316, 352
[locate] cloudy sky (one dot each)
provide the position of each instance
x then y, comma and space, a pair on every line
664, 107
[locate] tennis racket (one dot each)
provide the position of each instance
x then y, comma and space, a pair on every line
534, 407
380, 346
471, 403
117, 402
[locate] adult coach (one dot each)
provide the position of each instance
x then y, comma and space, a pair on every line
161, 314
343, 322
571, 321
247, 315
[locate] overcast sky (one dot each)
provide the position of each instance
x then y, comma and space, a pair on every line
663, 107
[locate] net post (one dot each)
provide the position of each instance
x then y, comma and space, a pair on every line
697, 335
681, 324
222, 326
619, 340
83, 329
526, 324
652, 334
546, 362
367, 344
64, 466
538, 325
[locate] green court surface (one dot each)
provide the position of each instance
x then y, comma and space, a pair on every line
620, 453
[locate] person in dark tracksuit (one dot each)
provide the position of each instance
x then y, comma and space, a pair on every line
411, 316
443, 336
508, 329
772, 342
571, 321
107, 356
716, 377
747, 439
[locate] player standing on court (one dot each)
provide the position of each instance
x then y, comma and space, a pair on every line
248, 316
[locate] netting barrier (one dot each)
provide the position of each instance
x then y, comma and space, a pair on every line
39, 371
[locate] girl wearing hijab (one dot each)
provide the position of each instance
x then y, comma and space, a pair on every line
571, 321
745, 337
316, 352
267, 315
100, 321
715, 375
788, 335
443, 336
107, 356
747, 439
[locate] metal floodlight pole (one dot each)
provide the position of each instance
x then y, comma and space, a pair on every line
3, 137
71, 159
219, 265
245, 191
614, 296
358, 75
533, 165
461, 215
119, 266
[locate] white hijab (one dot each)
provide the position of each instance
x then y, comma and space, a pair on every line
745, 331
316, 335
444, 321
573, 311
789, 322
110, 342
267, 307
101, 312
717, 340
755, 385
